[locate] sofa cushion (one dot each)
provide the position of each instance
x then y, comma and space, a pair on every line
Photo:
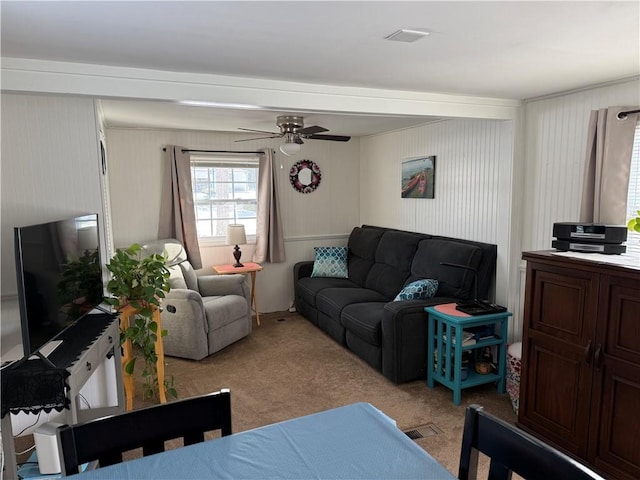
330, 262
452, 281
418, 290
392, 263
331, 301
363, 243
307, 288
364, 320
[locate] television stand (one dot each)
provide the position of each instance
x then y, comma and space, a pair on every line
48, 349
43, 353
84, 348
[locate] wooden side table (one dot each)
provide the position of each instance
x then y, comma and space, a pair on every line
127, 354
445, 336
249, 267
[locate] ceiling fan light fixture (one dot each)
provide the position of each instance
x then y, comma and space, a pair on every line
290, 148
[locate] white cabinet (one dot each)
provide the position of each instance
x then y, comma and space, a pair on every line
100, 357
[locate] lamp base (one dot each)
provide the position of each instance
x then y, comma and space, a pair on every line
237, 254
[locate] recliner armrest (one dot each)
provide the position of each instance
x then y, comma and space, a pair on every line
217, 285
182, 294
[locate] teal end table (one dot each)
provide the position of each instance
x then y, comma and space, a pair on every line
445, 336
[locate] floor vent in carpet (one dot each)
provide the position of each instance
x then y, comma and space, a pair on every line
422, 431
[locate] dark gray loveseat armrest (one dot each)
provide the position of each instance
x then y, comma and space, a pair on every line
404, 339
302, 269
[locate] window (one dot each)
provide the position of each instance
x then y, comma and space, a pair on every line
225, 190
633, 197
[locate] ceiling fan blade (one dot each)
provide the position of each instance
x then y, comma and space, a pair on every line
312, 130
335, 138
298, 140
257, 138
260, 131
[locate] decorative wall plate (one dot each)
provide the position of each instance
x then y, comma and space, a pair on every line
305, 176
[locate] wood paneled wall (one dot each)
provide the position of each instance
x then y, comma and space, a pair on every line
50, 170
556, 136
473, 183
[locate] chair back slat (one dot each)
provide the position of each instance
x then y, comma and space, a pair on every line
512, 450
109, 458
105, 439
193, 437
152, 447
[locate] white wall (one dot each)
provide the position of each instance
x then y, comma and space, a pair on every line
555, 149
472, 184
50, 170
323, 217
483, 192
556, 137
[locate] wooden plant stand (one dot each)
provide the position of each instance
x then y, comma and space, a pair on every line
127, 354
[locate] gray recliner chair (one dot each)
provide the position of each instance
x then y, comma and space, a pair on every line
202, 313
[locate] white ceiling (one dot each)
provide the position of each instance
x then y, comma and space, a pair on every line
514, 50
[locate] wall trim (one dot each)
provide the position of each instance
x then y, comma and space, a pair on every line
306, 238
586, 88
28, 75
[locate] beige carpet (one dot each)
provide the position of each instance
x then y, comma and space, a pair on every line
287, 368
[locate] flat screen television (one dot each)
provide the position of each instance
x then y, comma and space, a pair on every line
59, 276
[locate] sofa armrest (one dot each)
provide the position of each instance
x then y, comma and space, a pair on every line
404, 338
302, 269
184, 319
219, 285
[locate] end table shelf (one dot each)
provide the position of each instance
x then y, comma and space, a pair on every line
445, 348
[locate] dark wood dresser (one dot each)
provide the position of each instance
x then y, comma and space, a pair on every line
580, 381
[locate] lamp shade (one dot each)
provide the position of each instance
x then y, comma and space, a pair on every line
236, 234
290, 148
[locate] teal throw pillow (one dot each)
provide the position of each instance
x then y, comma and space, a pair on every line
418, 290
330, 262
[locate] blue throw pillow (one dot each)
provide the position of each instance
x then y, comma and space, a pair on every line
330, 262
418, 290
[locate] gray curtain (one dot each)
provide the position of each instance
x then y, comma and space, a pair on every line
269, 236
606, 180
177, 214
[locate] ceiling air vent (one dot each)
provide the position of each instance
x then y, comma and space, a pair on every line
407, 35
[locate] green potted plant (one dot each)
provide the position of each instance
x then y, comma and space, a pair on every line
634, 223
141, 282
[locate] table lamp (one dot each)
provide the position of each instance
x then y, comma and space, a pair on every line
236, 236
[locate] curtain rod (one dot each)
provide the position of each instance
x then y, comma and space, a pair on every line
623, 115
184, 150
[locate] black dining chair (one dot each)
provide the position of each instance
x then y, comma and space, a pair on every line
512, 450
106, 439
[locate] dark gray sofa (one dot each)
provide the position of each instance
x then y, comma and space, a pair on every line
359, 312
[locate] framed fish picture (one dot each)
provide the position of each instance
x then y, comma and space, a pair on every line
418, 177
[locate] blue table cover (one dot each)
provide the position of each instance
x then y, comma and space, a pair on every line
352, 442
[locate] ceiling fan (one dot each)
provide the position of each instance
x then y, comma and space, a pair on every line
293, 130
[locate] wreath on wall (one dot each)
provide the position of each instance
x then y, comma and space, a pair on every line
294, 176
